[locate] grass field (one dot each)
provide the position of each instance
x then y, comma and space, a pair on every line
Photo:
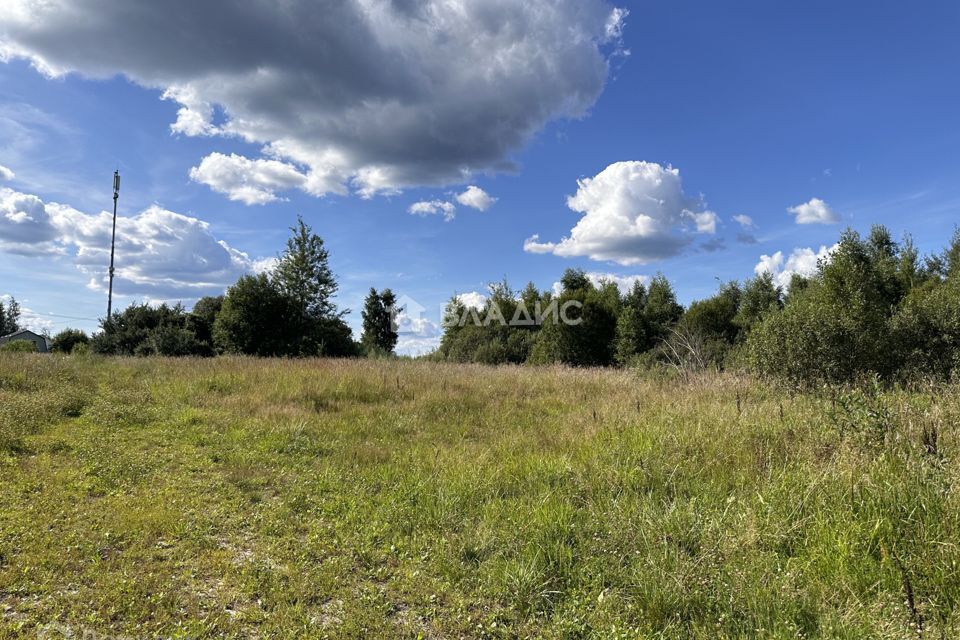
242, 498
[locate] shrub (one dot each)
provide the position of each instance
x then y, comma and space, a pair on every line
838, 326
708, 329
251, 320
142, 330
18, 346
67, 340
81, 349
926, 330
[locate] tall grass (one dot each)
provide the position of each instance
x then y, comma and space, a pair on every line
323, 498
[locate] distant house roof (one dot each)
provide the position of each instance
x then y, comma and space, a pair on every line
21, 332
25, 333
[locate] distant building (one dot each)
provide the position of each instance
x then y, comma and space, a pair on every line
29, 336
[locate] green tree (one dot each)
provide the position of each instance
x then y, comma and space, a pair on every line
950, 260
253, 319
303, 276
9, 317
632, 334
202, 318
502, 331
582, 331
661, 311
712, 323
575, 280
926, 330
66, 340
379, 322
303, 273
760, 297
144, 330
838, 327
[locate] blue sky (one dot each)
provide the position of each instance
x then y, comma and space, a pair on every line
848, 109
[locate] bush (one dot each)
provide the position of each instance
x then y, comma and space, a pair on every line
806, 342
488, 335
67, 340
838, 327
589, 338
142, 330
708, 330
251, 320
81, 349
926, 330
18, 346
257, 318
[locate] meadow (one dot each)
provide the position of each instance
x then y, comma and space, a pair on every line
235, 497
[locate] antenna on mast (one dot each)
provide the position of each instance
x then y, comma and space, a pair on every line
113, 242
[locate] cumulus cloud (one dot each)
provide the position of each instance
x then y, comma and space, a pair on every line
161, 255
801, 261
416, 335
745, 221
473, 197
633, 213
369, 95
245, 180
816, 211
434, 207
473, 299
6, 174
476, 198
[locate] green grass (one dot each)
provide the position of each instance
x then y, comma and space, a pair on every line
245, 498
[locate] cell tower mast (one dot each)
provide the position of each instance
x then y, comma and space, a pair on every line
113, 242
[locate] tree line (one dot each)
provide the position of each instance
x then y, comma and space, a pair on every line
873, 306
286, 312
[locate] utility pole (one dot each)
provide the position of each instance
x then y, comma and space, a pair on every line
113, 242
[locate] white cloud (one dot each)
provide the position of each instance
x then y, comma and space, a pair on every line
369, 95
706, 221
745, 221
801, 261
245, 180
473, 299
409, 345
416, 335
194, 118
434, 207
264, 265
634, 213
476, 198
160, 254
6, 174
814, 212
